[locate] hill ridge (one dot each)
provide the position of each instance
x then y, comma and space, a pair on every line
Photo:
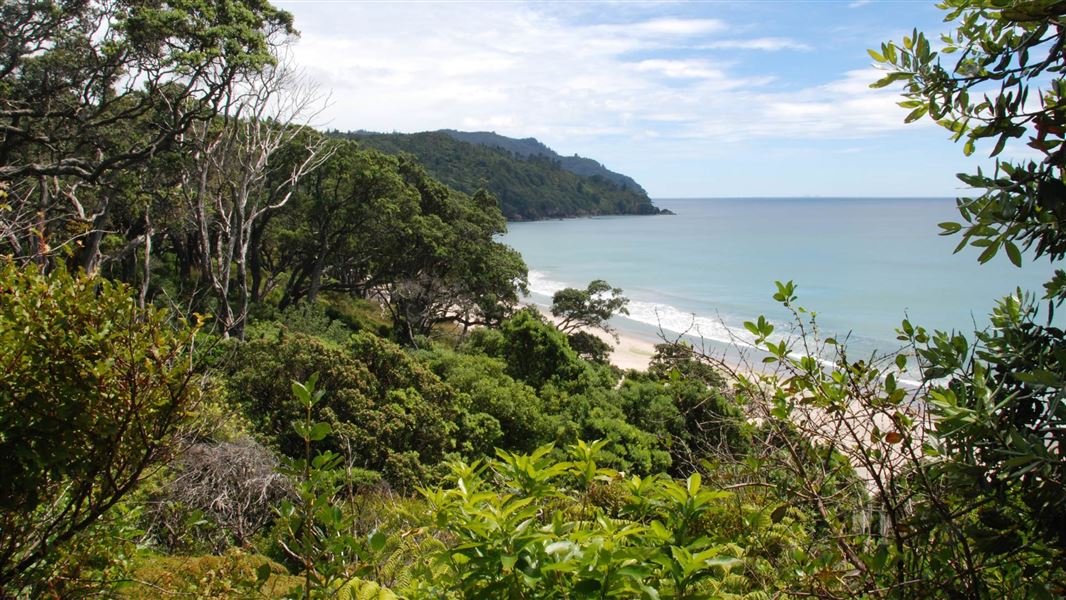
530, 180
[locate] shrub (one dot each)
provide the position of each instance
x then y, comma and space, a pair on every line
233, 487
379, 400
513, 528
92, 391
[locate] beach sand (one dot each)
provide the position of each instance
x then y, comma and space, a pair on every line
630, 352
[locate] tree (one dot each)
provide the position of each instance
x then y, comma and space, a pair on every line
91, 89
388, 412
535, 352
241, 167
443, 263
962, 489
340, 219
92, 391
591, 307
1002, 415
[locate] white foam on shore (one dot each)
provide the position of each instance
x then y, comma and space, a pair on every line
661, 316
674, 320
539, 283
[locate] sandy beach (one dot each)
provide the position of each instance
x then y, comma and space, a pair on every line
630, 352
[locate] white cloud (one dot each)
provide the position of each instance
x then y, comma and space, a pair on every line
684, 69
522, 71
769, 44
668, 27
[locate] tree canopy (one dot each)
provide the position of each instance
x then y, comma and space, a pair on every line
1003, 411
591, 307
528, 187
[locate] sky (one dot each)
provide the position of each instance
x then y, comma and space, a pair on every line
691, 99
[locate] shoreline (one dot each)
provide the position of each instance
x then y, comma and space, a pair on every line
636, 344
631, 352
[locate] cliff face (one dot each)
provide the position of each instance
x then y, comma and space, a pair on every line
529, 179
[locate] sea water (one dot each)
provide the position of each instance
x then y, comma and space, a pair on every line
861, 264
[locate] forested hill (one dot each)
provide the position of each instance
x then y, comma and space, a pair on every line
526, 147
530, 180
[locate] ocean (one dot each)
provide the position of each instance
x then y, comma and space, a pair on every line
861, 264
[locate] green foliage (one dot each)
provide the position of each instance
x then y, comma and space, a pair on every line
1011, 60
316, 530
597, 412
946, 512
233, 574
92, 91
515, 529
99, 558
311, 319
535, 351
441, 262
1001, 415
92, 391
500, 412
590, 347
528, 188
586, 167
337, 230
697, 422
361, 589
387, 412
591, 307
681, 361
998, 399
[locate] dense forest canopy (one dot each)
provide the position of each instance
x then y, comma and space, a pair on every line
530, 180
578, 165
243, 358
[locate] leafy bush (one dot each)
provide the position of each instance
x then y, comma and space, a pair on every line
524, 526
535, 351
307, 318
233, 574
501, 412
92, 391
590, 347
385, 409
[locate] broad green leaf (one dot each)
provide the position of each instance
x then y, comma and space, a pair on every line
319, 431
1013, 253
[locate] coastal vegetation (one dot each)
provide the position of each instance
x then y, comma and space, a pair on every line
530, 183
242, 358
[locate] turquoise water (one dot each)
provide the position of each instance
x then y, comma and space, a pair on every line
862, 264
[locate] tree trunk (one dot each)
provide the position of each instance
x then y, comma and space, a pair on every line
255, 259
146, 277
316, 273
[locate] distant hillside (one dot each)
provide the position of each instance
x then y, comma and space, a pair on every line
579, 165
530, 180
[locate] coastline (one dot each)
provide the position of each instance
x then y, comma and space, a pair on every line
630, 352
636, 344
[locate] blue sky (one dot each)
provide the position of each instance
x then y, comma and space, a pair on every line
692, 99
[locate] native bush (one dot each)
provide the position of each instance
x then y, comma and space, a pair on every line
525, 526
92, 392
535, 351
494, 396
388, 413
